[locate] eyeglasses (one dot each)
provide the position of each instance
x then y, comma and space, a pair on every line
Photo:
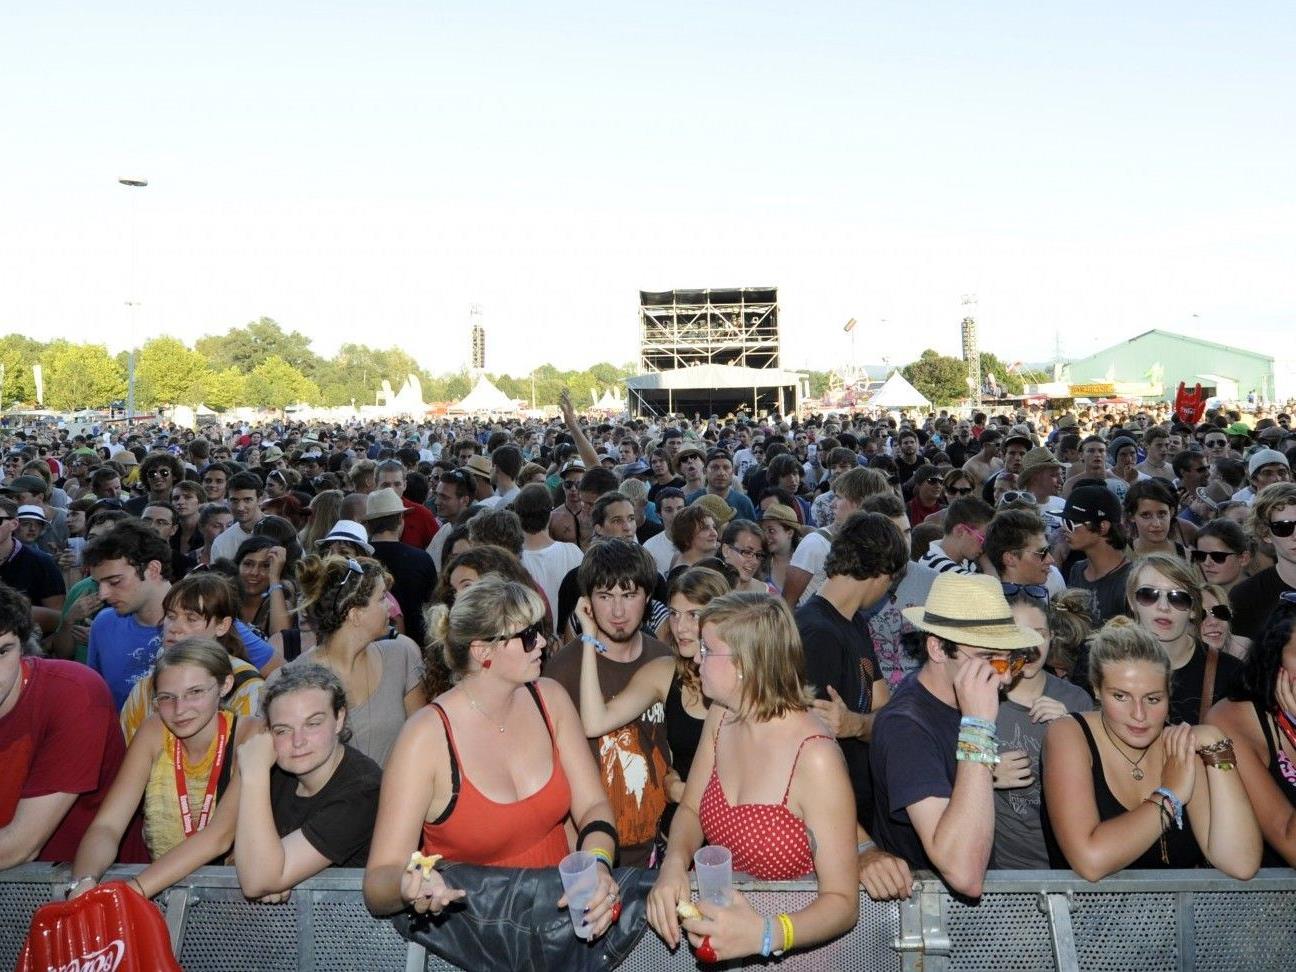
353, 568
704, 652
1216, 556
1037, 591
1282, 528
1009, 663
1221, 612
958, 490
165, 700
528, 635
1017, 496
1177, 599
747, 553
1041, 553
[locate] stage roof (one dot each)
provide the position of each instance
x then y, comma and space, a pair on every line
713, 376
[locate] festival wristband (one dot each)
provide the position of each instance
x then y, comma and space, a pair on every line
602, 855
1176, 805
589, 639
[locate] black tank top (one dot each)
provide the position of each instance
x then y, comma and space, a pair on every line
1277, 757
683, 731
1181, 845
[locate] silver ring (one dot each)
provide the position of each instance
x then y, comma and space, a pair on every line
612, 895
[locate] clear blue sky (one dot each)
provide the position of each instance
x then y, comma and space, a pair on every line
368, 171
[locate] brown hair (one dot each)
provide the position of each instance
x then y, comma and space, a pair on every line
700, 586
213, 596
331, 588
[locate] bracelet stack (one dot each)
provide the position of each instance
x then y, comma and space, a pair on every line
977, 741
1219, 754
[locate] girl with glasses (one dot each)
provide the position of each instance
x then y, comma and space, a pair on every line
181, 764
1222, 553
1165, 599
769, 783
344, 601
742, 546
1124, 790
496, 770
1260, 716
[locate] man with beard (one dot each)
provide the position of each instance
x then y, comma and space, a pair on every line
616, 579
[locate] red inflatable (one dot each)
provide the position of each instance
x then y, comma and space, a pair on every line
110, 928
1189, 405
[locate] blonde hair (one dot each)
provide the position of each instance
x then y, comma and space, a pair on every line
488, 610
199, 651
1070, 623
1124, 640
1177, 571
1274, 497
325, 511
767, 652
635, 490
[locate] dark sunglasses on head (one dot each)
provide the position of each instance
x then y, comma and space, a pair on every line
528, 635
1216, 556
1221, 612
1177, 599
1282, 528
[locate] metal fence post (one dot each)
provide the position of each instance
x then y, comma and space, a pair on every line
1058, 909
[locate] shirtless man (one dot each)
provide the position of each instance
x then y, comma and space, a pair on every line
564, 522
986, 462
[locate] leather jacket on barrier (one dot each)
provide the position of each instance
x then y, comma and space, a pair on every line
508, 920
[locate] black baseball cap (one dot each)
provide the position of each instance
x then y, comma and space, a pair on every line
1089, 504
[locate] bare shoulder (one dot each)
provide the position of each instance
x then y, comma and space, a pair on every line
554, 695
248, 727
1065, 732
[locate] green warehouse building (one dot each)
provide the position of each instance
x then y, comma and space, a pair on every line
1159, 360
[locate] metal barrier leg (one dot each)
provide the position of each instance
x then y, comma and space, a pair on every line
936, 940
1058, 909
177, 909
909, 943
1185, 922
415, 958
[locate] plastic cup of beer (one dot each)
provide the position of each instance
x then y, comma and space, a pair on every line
579, 873
714, 868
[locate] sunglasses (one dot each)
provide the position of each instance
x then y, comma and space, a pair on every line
528, 636
959, 490
1009, 663
1282, 528
571, 484
1221, 612
1216, 556
1037, 591
1177, 599
353, 568
1071, 526
1017, 496
159, 473
1216, 443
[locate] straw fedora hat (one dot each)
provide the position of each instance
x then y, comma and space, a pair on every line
479, 466
970, 609
778, 513
720, 511
382, 502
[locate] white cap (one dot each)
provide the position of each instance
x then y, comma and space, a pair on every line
348, 531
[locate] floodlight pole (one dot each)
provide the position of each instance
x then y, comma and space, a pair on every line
131, 304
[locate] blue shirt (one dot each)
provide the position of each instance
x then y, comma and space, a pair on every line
737, 501
123, 651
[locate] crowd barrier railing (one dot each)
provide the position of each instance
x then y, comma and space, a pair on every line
1147, 921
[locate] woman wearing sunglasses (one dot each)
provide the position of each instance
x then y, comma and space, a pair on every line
495, 770
1165, 598
345, 604
1217, 620
1222, 553
1260, 715
1124, 790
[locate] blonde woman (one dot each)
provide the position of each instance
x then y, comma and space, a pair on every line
769, 782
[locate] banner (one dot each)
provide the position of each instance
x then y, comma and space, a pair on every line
1095, 389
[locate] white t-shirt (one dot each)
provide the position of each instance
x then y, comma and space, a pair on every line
226, 545
549, 566
662, 550
810, 555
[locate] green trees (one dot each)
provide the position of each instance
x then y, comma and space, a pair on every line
81, 376
274, 383
168, 373
941, 379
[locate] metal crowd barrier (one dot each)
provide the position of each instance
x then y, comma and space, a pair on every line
1030, 921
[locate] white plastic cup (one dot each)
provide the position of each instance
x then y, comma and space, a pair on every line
579, 874
714, 867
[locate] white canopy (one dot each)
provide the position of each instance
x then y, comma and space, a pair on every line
485, 397
896, 392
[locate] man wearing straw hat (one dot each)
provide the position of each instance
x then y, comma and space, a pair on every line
934, 747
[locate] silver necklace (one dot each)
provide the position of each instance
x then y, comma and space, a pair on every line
1134, 763
484, 713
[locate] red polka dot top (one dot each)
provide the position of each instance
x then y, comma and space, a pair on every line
767, 840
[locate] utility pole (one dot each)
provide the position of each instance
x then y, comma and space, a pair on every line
132, 316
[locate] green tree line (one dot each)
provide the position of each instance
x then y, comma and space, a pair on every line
259, 365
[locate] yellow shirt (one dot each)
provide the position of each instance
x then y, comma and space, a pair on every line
244, 701
163, 829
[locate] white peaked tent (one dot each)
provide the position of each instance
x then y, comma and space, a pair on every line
896, 392
485, 397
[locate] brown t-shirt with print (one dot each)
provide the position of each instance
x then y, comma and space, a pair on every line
633, 760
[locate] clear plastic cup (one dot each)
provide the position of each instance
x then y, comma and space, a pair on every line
714, 867
579, 874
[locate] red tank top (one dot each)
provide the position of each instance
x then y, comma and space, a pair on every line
767, 840
475, 829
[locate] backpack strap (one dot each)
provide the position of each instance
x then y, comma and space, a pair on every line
1208, 683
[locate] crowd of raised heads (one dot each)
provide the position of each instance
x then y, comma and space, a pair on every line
1023, 640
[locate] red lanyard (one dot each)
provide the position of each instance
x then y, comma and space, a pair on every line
1284, 724
182, 787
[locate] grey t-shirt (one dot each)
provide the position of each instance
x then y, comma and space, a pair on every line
1019, 832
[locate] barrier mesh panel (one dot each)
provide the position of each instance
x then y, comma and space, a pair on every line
1253, 932
18, 902
347, 938
239, 936
1005, 932
1119, 932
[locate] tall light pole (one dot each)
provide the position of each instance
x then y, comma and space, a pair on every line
131, 304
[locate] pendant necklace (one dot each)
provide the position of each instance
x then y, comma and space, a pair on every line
1135, 771
473, 703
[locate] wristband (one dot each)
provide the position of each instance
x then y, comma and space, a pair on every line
589, 639
75, 883
272, 588
978, 723
864, 845
1176, 805
602, 855
767, 938
789, 937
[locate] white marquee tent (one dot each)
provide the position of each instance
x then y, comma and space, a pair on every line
896, 392
485, 397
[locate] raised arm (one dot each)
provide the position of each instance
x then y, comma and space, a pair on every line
583, 446
647, 686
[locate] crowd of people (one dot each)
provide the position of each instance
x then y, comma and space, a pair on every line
1015, 641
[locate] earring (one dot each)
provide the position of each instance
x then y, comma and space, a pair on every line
486, 663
